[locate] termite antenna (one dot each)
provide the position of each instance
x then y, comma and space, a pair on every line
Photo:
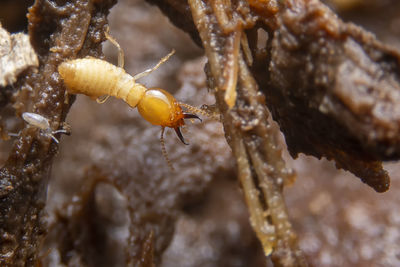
148, 71
121, 62
164, 150
210, 114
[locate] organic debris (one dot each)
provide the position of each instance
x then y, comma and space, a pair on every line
16, 55
56, 33
331, 86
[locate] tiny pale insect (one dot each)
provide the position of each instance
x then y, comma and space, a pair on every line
100, 79
43, 124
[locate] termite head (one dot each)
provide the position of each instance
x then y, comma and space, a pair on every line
159, 107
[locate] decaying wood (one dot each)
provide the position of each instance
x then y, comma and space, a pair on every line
56, 33
331, 86
261, 169
16, 55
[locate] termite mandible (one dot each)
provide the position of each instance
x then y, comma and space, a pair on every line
100, 79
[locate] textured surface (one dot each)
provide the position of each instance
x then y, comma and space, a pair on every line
350, 113
16, 55
110, 186
25, 174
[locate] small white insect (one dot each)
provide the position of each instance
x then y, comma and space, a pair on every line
43, 124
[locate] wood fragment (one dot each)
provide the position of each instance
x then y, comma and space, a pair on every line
16, 55
56, 33
260, 166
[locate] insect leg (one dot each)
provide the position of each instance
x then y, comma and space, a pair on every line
148, 71
164, 151
62, 131
102, 99
53, 137
114, 42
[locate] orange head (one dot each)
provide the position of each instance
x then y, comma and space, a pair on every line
159, 107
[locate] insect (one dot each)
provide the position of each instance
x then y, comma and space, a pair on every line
100, 79
43, 124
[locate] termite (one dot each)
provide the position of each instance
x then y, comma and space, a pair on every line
43, 124
100, 79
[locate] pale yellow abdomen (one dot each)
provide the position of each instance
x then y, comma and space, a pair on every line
90, 76
95, 77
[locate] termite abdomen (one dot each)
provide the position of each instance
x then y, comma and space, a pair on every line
95, 78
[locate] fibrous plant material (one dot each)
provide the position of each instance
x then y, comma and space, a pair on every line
56, 33
331, 86
340, 115
261, 168
289, 70
16, 55
344, 82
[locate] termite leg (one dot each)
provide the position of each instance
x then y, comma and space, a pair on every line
102, 99
148, 71
121, 62
164, 151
